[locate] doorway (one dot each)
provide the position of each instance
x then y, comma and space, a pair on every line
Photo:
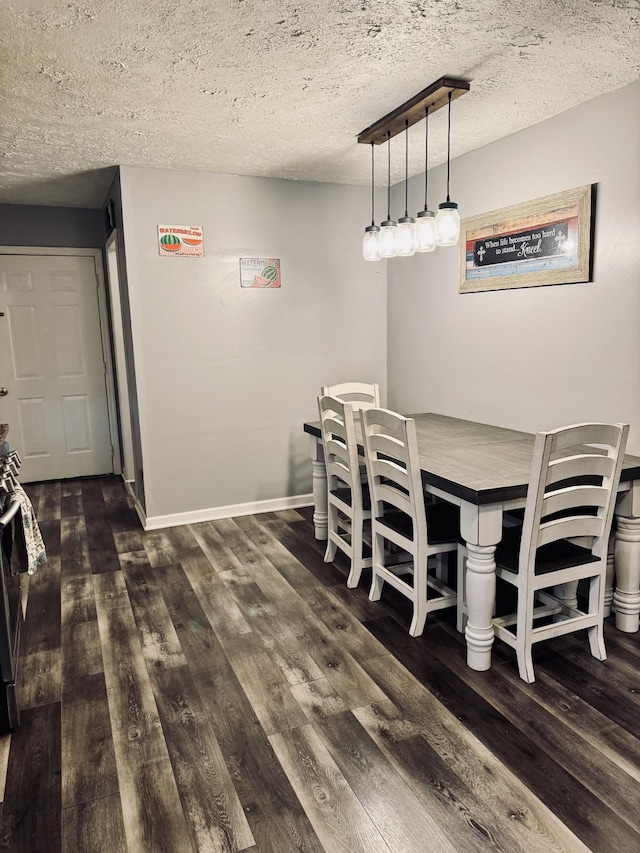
55, 363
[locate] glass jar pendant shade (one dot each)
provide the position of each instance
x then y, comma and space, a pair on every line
448, 218
370, 241
388, 228
406, 236
426, 235
426, 231
448, 224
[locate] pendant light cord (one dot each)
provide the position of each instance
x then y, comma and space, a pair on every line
389, 175
373, 215
426, 154
448, 145
406, 167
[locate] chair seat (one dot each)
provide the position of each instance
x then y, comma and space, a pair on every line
552, 557
443, 523
345, 496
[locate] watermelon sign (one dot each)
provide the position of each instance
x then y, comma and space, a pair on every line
184, 240
260, 272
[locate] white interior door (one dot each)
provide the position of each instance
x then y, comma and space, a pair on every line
52, 366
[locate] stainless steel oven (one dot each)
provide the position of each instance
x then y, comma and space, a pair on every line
13, 563
11, 566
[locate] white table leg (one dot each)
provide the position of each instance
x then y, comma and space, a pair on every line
608, 588
626, 598
481, 592
481, 527
567, 594
320, 513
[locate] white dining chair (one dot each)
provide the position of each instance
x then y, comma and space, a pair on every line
348, 499
421, 533
361, 395
563, 539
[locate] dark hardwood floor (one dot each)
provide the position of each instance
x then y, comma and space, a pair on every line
217, 687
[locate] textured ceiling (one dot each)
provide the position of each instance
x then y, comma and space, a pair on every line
281, 89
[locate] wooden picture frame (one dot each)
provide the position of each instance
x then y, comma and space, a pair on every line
545, 241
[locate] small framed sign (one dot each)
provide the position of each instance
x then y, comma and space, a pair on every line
545, 241
260, 272
181, 240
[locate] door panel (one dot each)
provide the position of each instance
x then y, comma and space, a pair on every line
52, 365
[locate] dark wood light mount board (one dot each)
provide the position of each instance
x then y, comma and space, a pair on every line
434, 96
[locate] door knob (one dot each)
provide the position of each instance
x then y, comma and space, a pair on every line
3, 392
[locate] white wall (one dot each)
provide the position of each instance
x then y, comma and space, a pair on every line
227, 376
540, 357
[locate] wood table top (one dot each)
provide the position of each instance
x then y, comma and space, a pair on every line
479, 463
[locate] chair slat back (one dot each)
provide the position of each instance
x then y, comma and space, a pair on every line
574, 478
338, 431
393, 468
570, 467
361, 395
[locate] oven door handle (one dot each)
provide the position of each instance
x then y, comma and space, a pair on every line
14, 506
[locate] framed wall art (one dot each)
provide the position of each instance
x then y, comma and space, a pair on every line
260, 272
545, 241
181, 241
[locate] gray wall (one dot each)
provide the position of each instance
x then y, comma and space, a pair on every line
227, 376
31, 225
534, 358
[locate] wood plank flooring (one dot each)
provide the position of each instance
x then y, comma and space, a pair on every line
216, 687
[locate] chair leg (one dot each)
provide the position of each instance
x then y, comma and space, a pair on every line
377, 546
332, 526
419, 618
356, 556
596, 605
330, 553
355, 573
596, 641
524, 646
420, 605
376, 586
525, 664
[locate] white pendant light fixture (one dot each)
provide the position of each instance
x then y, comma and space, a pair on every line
426, 233
370, 241
406, 236
388, 228
448, 218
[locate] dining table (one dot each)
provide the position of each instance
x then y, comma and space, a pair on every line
485, 470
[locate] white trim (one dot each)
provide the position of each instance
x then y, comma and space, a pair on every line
108, 363
119, 366
217, 512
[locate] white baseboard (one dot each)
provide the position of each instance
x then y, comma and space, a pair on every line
157, 522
